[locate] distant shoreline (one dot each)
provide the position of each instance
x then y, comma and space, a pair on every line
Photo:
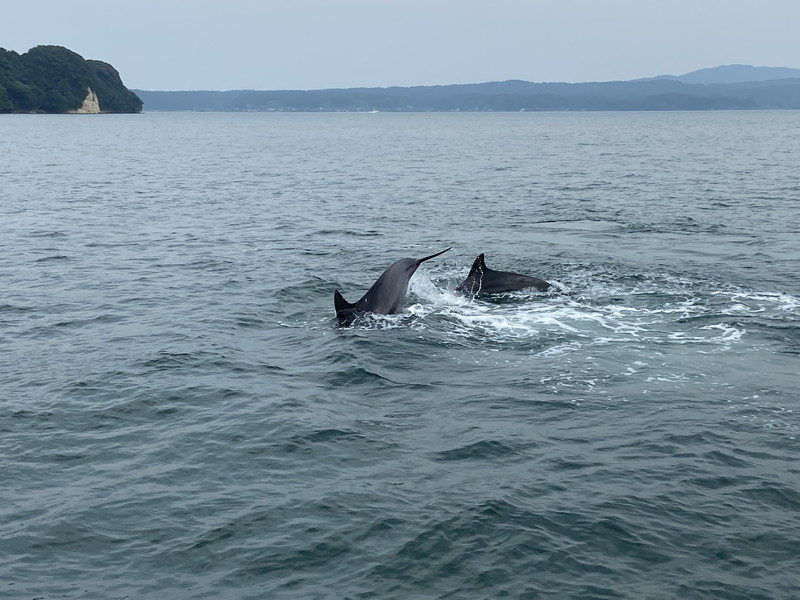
732, 87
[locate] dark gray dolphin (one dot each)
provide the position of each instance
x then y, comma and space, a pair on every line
483, 280
386, 296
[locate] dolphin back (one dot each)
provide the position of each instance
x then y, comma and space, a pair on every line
483, 280
386, 296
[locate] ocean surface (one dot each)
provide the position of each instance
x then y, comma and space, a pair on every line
181, 417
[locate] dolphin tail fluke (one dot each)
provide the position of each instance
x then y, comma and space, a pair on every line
478, 266
422, 260
345, 311
340, 304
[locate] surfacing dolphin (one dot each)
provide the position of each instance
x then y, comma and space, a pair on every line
386, 296
483, 280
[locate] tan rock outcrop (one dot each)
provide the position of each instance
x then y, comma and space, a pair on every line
90, 106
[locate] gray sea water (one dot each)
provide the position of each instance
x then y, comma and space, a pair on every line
180, 416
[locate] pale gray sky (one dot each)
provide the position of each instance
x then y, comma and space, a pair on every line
311, 44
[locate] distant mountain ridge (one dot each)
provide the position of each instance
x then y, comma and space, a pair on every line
735, 74
729, 87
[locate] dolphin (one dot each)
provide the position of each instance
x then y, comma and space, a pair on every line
483, 280
386, 296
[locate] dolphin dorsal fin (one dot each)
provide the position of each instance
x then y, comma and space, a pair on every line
478, 266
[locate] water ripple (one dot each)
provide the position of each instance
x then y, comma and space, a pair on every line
181, 416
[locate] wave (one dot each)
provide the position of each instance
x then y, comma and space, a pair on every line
651, 308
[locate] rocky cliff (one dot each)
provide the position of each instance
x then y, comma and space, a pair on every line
90, 106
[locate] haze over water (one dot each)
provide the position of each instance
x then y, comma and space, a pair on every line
181, 417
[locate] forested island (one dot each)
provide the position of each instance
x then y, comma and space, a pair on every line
730, 87
53, 79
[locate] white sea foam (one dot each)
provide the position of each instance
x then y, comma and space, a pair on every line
565, 323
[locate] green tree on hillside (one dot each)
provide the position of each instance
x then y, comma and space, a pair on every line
113, 95
60, 76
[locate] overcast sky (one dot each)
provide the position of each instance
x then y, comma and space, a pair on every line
312, 44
